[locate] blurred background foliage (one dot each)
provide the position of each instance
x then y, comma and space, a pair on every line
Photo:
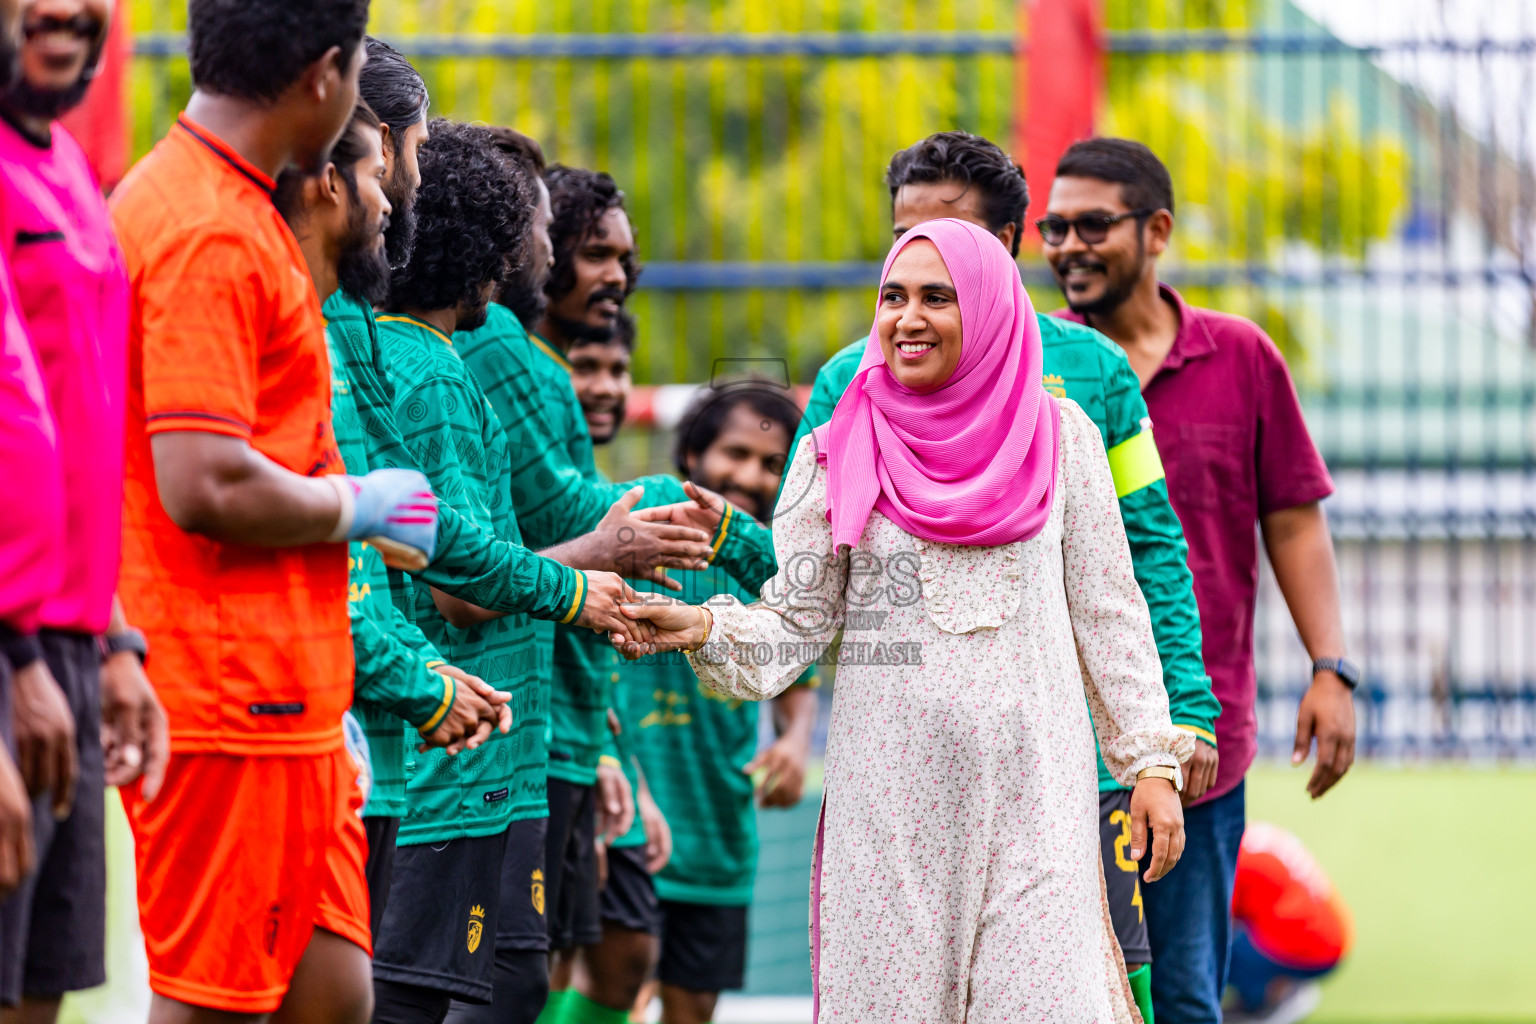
780, 158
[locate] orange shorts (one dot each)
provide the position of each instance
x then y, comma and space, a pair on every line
240, 859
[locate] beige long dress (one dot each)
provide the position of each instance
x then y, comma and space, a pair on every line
956, 875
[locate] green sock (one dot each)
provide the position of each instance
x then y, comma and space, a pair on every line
1141, 987
553, 1007
579, 1009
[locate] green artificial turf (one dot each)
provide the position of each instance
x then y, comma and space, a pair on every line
1438, 866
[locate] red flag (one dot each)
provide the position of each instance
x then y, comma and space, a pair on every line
1058, 87
100, 123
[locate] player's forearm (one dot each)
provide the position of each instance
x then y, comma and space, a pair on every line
589, 551
1159, 559
1301, 554
460, 613
222, 488
744, 548
498, 575
392, 677
795, 711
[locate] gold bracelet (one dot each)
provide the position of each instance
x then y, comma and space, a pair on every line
709, 624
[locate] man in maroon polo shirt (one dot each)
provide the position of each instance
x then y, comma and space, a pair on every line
1237, 452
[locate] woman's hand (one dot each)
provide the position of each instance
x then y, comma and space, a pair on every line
1155, 807
676, 625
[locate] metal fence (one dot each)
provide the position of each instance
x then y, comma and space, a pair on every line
1366, 194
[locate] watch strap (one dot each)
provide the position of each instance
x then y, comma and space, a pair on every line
1346, 670
20, 649
129, 640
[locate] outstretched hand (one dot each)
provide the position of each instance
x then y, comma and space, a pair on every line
643, 547
673, 625
607, 594
702, 512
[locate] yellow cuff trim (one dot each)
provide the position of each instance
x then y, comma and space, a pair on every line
1134, 463
436, 662
611, 762
725, 522
1204, 734
581, 593
442, 712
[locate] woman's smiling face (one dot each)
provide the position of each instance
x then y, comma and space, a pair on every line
918, 321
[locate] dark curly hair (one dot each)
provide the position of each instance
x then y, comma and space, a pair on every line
579, 198
968, 160
474, 210
519, 147
255, 49
706, 414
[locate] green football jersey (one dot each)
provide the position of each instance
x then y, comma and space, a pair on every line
394, 682
452, 435
693, 744
1083, 365
471, 562
558, 494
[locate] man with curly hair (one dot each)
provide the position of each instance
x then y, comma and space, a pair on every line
444, 897
560, 501
596, 264
338, 217
471, 561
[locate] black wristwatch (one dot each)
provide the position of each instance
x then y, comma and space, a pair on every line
1341, 667
128, 640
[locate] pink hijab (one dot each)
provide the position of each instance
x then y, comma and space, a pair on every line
973, 462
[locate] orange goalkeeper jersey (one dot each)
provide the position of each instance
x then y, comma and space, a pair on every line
251, 648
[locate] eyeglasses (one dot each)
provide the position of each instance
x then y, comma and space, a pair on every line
1092, 228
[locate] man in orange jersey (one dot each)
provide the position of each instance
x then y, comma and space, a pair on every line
250, 859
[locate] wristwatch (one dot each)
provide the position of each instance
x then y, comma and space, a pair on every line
128, 640
1162, 771
1341, 667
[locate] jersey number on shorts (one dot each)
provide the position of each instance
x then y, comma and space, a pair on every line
1121, 842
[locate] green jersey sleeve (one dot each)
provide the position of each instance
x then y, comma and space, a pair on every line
743, 547
1159, 553
395, 678
471, 562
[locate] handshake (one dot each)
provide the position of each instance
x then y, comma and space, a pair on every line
395, 512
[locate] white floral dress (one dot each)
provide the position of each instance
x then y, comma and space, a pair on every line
957, 874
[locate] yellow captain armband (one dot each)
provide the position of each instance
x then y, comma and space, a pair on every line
1134, 462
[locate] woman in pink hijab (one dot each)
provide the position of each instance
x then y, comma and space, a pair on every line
962, 524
